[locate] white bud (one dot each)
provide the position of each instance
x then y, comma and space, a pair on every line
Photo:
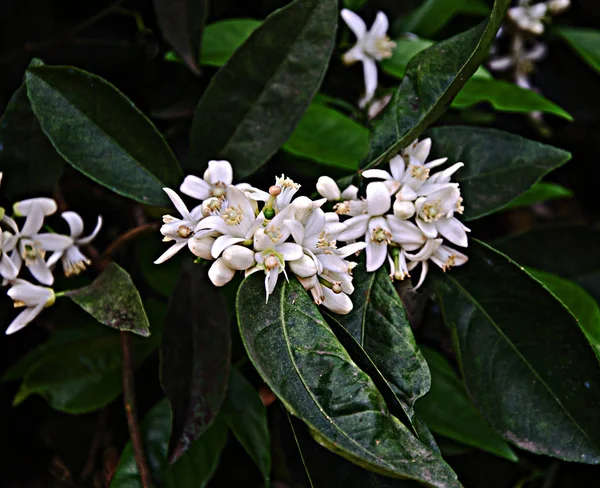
337, 302
201, 247
219, 273
558, 6
328, 188
350, 193
303, 207
404, 210
238, 257
304, 267
22, 208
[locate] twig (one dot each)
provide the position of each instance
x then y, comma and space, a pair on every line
127, 236
131, 412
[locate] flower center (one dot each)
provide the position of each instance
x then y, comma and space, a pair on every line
271, 262
431, 211
30, 251
380, 47
419, 172
284, 183
381, 236
273, 232
218, 190
458, 206
325, 244
211, 206
184, 231
342, 208
233, 215
449, 263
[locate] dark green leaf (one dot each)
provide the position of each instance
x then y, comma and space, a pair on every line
113, 300
526, 364
195, 357
255, 101
586, 42
329, 137
247, 418
354, 4
506, 97
301, 360
99, 131
498, 166
181, 23
221, 39
30, 164
164, 277
538, 193
432, 79
448, 411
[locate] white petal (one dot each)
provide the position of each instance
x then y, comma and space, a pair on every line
271, 281
336, 302
376, 254
223, 242
429, 248
315, 223
422, 149
453, 230
40, 271
220, 274
86, 240
24, 318
201, 247
332, 262
290, 251
11, 223
178, 203
429, 229
424, 269
34, 222
350, 193
356, 227
304, 267
238, 257
380, 26
377, 173
501, 63
397, 167
378, 199
214, 223
8, 270
75, 223
169, 253
404, 232
195, 187
54, 258
350, 249
356, 24
297, 230
219, 171
370, 73
46, 205
235, 197
54, 242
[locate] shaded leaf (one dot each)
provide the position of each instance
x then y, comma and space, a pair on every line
498, 166
301, 360
247, 418
586, 43
97, 130
448, 411
433, 78
526, 364
221, 39
113, 300
254, 102
538, 193
181, 23
163, 278
195, 357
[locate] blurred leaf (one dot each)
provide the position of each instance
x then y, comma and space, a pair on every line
99, 131
301, 360
31, 166
181, 23
583, 306
585, 41
254, 102
223, 38
195, 357
498, 166
161, 277
526, 364
113, 300
448, 411
247, 418
432, 15
505, 97
354, 4
433, 77
538, 193
329, 137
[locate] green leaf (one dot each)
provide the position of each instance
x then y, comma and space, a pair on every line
585, 41
583, 306
354, 4
195, 357
329, 137
181, 23
448, 411
498, 166
247, 418
505, 97
301, 360
254, 102
113, 300
164, 277
526, 364
433, 15
433, 78
221, 39
538, 193
31, 166
99, 131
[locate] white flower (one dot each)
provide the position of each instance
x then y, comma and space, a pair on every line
376, 106
272, 261
443, 256
234, 258
529, 18
328, 188
217, 177
371, 46
24, 207
288, 189
73, 260
178, 230
33, 297
521, 58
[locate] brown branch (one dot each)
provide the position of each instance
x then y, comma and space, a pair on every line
127, 236
131, 412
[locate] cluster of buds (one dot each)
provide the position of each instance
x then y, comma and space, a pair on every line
24, 250
242, 228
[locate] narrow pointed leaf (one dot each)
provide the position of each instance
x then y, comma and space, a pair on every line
498, 166
539, 193
99, 131
526, 364
432, 80
301, 360
221, 39
586, 42
255, 101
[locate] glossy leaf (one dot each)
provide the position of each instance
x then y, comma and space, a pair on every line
448, 411
195, 357
98, 130
255, 101
498, 166
538, 193
526, 364
586, 43
247, 417
30, 163
330, 138
221, 39
181, 23
113, 300
433, 78
301, 360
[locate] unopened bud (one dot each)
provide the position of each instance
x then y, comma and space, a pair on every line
328, 188
304, 267
404, 210
238, 257
201, 247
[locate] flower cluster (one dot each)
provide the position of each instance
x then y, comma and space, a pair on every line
242, 228
25, 248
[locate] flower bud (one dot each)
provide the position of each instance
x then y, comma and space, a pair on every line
328, 188
404, 210
238, 257
303, 207
337, 302
219, 273
304, 267
350, 193
201, 247
558, 6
